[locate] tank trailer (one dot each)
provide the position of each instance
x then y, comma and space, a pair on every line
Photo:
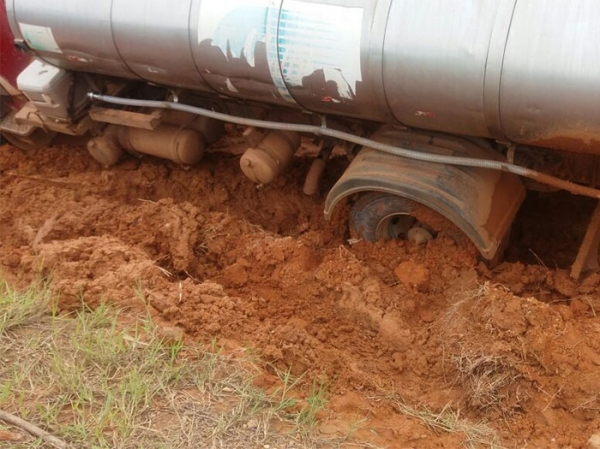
451, 108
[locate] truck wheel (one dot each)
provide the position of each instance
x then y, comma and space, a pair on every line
37, 139
376, 216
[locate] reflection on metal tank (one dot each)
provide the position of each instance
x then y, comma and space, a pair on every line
153, 39
526, 71
71, 34
550, 87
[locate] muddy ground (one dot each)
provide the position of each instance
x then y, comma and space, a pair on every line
387, 325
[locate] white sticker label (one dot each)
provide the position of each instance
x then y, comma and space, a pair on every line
39, 38
303, 40
234, 26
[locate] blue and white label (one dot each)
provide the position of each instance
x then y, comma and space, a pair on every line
318, 37
307, 44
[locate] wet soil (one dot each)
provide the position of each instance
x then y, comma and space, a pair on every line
386, 325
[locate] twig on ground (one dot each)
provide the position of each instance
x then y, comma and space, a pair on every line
43, 231
32, 429
56, 182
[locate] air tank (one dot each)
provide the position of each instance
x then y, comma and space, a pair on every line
522, 71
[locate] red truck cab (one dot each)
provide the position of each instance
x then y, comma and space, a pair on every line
12, 62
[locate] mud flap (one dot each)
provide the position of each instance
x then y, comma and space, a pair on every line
482, 203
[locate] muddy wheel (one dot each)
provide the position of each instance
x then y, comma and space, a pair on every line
37, 139
376, 216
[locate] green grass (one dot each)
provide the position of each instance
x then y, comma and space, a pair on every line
101, 379
20, 307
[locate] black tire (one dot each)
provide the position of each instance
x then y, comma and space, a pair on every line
372, 216
37, 139
370, 221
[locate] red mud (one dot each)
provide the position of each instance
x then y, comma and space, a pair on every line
387, 324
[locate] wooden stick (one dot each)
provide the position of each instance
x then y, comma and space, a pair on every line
34, 430
56, 182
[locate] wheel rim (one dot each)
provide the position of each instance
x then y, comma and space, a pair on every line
403, 226
395, 226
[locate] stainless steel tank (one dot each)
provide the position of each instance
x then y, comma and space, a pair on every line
526, 71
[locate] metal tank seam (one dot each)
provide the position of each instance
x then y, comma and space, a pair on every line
381, 93
492, 111
287, 93
485, 76
287, 86
114, 41
502, 69
198, 71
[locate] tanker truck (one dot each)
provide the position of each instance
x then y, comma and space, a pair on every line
447, 110
12, 62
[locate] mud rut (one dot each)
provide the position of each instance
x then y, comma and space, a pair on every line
207, 252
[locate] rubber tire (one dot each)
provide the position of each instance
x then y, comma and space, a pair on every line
371, 208
39, 137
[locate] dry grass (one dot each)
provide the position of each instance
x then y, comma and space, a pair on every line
465, 303
485, 378
20, 307
95, 381
449, 421
485, 368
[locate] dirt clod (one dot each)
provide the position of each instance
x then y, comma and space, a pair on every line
412, 274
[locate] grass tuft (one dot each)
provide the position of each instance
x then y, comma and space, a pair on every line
22, 307
314, 403
486, 377
486, 370
449, 421
97, 378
